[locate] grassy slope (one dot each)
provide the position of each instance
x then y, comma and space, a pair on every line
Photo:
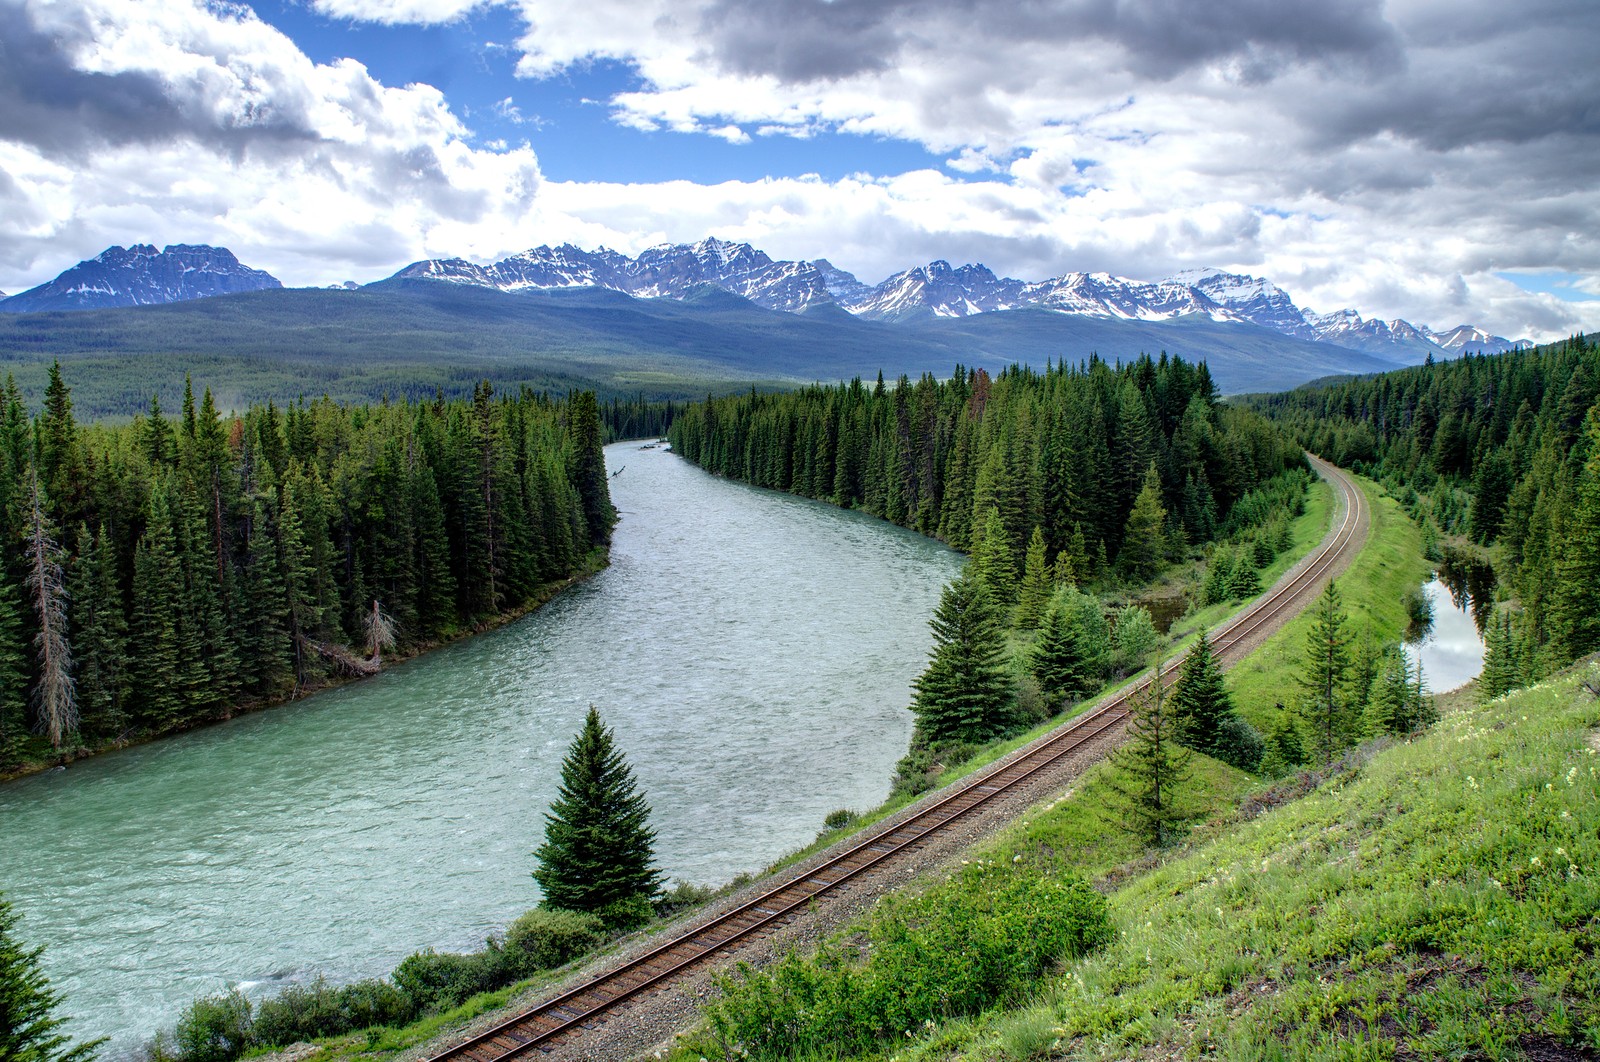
1437, 899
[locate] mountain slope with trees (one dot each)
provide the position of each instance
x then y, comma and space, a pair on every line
174, 569
1500, 453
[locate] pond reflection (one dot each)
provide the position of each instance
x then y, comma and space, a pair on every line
1450, 650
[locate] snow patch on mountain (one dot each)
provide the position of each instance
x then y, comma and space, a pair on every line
142, 276
940, 289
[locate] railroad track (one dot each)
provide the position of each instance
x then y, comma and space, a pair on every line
558, 1020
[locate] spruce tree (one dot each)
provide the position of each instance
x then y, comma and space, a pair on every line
55, 695
13, 674
1575, 608
1501, 673
1036, 583
158, 597
966, 693
1068, 655
30, 1029
1144, 537
598, 853
100, 637
991, 560
1150, 768
1323, 674
1201, 704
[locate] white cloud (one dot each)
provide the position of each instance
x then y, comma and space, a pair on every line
1393, 157
307, 169
415, 12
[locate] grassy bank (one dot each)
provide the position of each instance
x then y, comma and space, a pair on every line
1430, 899
1390, 564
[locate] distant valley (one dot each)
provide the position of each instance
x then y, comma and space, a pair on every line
676, 322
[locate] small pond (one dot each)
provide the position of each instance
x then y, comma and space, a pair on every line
1450, 647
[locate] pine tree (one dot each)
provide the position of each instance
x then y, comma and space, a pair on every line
100, 637
1036, 583
13, 674
30, 1030
1283, 749
1151, 768
1323, 674
1068, 654
966, 693
1144, 538
991, 560
1201, 704
1395, 707
1134, 637
598, 853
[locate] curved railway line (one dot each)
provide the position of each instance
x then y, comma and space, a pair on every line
564, 1017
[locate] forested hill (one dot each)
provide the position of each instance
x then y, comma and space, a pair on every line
1067, 451
1503, 451
170, 570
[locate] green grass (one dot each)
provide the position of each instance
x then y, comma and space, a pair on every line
1438, 896
1372, 588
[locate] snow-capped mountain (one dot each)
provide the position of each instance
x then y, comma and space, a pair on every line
142, 276
939, 289
1467, 338
660, 272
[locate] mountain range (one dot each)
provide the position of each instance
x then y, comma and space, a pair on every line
941, 290
140, 275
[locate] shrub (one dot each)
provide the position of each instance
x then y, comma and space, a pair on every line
838, 820
681, 897
628, 913
437, 981
305, 1012
1134, 638
543, 939
213, 1029
1010, 925
1239, 743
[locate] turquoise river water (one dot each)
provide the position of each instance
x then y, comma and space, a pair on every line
753, 652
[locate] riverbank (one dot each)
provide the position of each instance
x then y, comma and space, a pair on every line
594, 563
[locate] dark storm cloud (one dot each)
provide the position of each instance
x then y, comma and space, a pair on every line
48, 102
800, 41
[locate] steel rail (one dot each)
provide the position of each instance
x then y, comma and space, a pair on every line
538, 1026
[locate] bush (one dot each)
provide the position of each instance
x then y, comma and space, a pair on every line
437, 981
1239, 743
1010, 925
628, 913
839, 819
305, 1012
213, 1029
681, 897
543, 939
1135, 635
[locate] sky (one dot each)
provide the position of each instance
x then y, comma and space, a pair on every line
1433, 160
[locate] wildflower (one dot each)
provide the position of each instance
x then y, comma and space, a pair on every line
1494, 882
1572, 775
1534, 862
1561, 851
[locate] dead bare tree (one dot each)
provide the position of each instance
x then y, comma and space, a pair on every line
380, 634
55, 694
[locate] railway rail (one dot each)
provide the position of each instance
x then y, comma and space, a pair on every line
558, 1020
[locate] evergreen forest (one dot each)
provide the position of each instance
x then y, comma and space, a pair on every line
175, 569
1498, 455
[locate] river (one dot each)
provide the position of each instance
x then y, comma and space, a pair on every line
753, 652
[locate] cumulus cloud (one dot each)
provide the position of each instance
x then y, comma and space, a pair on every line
186, 120
1402, 157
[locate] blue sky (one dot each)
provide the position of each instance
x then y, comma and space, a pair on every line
567, 117
1335, 149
